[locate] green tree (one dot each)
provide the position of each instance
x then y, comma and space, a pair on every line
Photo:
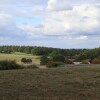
58, 57
43, 60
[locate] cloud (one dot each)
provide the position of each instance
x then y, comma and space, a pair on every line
69, 38
8, 28
50, 22
58, 5
81, 19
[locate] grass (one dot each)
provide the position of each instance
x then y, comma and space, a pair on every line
18, 56
81, 83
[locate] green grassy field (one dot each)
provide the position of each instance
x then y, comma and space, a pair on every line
18, 56
81, 83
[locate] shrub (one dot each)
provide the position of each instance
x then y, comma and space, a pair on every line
24, 60
43, 60
33, 66
52, 64
85, 62
28, 60
6, 65
96, 61
69, 62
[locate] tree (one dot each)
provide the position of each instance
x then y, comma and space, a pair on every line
43, 60
58, 57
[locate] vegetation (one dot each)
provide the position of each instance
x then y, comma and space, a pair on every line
24, 60
80, 83
6, 65
55, 54
77, 54
44, 60
52, 64
58, 57
18, 56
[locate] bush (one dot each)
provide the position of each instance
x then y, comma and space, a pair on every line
96, 61
69, 62
24, 60
85, 62
52, 64
28, 60
33, 66
43, 60
6, 65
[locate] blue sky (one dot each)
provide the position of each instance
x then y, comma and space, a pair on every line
51, 23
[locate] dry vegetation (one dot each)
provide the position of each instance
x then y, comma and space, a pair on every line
18, 56
81, 83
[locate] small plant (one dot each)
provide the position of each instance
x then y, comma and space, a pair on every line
33, 66
52, 64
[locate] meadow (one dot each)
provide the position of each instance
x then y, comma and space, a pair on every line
66, 83
18, 56
81, 83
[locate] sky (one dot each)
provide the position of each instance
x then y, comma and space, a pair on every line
50, 23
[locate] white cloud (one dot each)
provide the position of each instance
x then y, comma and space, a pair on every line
82, 38
79, 38
30, 30
58, 5
81, 19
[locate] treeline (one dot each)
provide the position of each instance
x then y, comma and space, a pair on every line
75, 54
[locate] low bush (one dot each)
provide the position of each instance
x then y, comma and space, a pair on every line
24, 60
85, 62
52, 64
33, 66
96, 61
6, 65
69, 62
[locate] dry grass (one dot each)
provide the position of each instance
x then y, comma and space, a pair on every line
51, 84
18, 56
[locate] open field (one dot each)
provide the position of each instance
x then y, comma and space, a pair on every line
18, 56
80, 83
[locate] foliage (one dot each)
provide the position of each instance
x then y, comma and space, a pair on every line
52, 64
77, 54
85, 62
6, 65
33, 66
24, 60
68, 61
96, 61
43, 60
58, 57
